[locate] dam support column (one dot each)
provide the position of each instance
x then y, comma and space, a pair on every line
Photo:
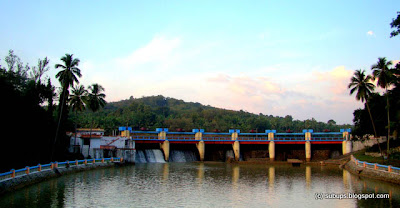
236, 144
236, 150
165, 145
271, 145
201, 146
165, 148
308, 144
347, 144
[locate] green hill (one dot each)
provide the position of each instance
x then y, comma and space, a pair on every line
158, 111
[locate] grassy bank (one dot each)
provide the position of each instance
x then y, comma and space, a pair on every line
391, 161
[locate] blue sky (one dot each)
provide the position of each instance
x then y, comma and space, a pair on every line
272, 57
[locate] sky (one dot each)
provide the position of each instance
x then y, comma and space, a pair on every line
271, 57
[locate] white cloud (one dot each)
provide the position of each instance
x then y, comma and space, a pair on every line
371, 33
160, 51
164, 66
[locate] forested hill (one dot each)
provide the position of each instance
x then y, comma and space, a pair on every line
158, 111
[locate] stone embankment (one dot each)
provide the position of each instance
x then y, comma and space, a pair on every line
18, 182
363, 171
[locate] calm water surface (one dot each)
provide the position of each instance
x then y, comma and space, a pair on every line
203, 185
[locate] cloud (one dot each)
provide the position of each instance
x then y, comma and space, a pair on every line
371, 33
168, 67
336, 80
160, 51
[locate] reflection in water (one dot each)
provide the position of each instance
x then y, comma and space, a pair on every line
346, 180
271, 178
235, 176
165, 171
200, 173
202, 185
308, 177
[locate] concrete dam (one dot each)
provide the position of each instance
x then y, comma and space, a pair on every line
162, 145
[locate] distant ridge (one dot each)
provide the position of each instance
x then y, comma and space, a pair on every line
158, 111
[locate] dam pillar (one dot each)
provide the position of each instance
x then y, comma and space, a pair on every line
347, 144
162, 135
344, 145
165, 148
308, 143
236, 144
201, 146
236, 150
271, 145
126, 133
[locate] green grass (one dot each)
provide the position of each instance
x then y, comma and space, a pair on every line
391, 161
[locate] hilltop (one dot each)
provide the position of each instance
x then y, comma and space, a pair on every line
159, 111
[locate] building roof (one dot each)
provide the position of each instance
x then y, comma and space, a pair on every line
88, 129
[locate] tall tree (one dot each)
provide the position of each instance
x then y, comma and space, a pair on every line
396, 25
96, 97
362, 84
382, 72
42, 67
67, 76
77, 102
95, 101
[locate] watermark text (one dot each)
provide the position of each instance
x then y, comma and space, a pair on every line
320, 196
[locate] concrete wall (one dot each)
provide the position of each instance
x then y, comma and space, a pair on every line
359, 145
371, 173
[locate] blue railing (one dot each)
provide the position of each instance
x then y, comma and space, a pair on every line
38, 168
188, 136
253, 138
327, 136
217, 138
145, 137
179, 138
375, 166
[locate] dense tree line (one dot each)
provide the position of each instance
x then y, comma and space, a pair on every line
33, 128
365, 120
381, 114
27, 127
158, 111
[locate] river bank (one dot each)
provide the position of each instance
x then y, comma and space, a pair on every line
382, 175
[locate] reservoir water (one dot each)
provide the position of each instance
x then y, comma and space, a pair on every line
197, 184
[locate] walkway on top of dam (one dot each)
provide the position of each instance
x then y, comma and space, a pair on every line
162, 134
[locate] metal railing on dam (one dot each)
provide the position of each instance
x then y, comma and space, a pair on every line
234, 135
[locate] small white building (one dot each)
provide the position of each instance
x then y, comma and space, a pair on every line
92, 143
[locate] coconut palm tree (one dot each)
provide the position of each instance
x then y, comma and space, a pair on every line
382, 72
95, 101
77, 101
361, 84
78, 98
96, 97
67, 76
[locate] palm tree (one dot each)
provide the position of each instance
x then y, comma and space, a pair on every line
95, 101
77, 101
382, 72
96, 97
67, 77
362, 84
